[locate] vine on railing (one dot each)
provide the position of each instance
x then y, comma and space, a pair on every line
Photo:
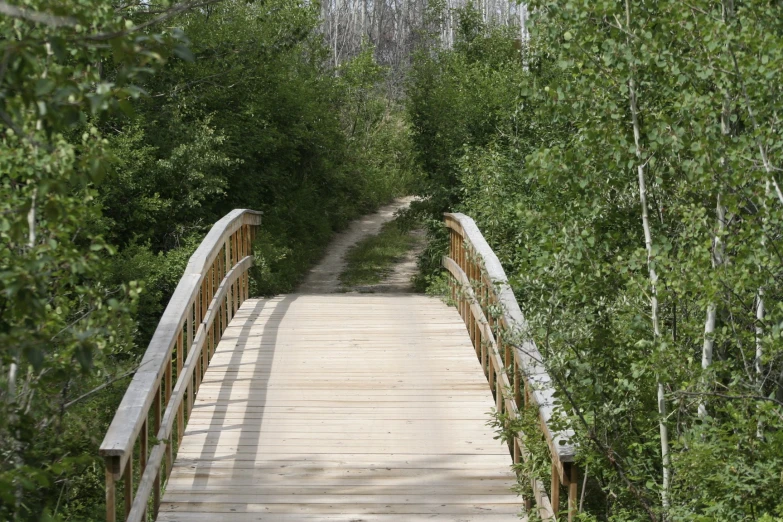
213, 287
513, 367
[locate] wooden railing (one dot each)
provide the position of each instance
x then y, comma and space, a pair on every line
214, 285
509, 358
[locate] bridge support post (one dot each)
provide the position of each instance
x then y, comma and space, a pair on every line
555, 493
573, 490
111, 493
128, 483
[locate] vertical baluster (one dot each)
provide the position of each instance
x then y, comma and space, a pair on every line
189, 394
222, 317
212, 343
181, 407
458, 258
229, 289
555, 494
507, 357
204, 352
204, 299
143, 442
169, 384
189, 387
528, 501
197, 369
248, 252
197, 314
243, 279
212, 284
473, 322
128, 483
486, 365
111, 492
462, 254
573, 490
189, 321
215, 331
500, 403
245, 253
235, 248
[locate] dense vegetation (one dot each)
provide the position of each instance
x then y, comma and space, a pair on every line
127, 129
624, 166
659, 317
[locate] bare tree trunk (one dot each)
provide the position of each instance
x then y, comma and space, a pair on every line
363, 18
450, 33
709, 325
653, 276
522, 21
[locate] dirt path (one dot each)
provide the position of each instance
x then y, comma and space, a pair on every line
400, 279
324, 278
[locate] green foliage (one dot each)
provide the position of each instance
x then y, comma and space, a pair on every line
456, 100
380, 157
553, 184
126, 130
61, 322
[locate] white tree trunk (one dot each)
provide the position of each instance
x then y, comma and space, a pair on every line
709, 324
653, 276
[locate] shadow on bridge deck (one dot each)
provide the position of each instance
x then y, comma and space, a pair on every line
342, 408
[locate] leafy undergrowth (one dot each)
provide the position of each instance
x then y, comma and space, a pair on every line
373, 258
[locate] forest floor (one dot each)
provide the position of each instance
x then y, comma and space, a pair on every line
329, 275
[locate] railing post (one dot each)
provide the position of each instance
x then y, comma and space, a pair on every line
555, 494
573, 491
180, 359
143, 439
128, 483
157, 415
205, 352
230, 288
111, 492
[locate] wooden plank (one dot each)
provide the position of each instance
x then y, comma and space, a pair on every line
206, 512
459, 488
250, 497
284, 426
336, 475
309, 460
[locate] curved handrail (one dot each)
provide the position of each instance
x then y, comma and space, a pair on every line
213, 286
476, 269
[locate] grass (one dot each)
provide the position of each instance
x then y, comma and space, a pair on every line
373, 258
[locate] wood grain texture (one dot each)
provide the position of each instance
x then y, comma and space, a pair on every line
136, 402
342, 408
526, 351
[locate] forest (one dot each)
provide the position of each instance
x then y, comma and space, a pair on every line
623, 158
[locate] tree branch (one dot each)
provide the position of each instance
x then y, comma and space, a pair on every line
730, 397
165, 15
29, 15
99, 388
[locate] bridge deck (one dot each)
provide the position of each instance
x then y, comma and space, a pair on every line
342, 408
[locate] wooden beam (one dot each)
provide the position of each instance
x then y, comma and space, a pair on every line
111, 495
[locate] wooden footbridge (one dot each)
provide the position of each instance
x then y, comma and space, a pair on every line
335, 407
